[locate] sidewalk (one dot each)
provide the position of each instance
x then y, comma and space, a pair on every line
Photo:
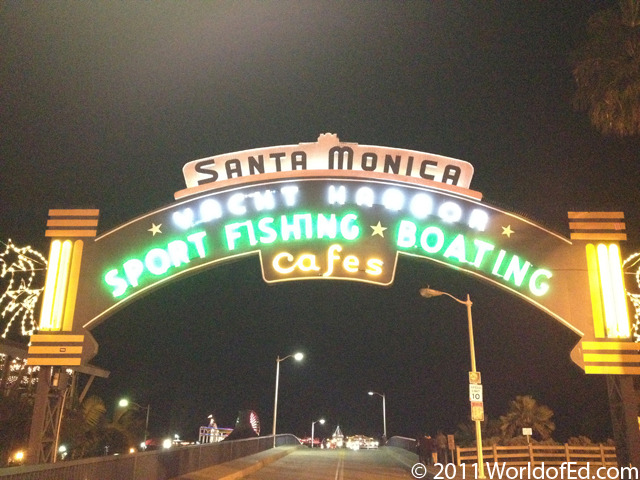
240, 467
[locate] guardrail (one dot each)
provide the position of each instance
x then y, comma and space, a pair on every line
154, 465
405, 443
536, 454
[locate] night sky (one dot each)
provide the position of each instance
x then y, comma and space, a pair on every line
102, 103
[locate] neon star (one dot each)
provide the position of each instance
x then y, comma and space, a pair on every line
155, 228
507, 231
378, 230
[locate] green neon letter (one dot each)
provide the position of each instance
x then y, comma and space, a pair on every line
327, 226
132, 270
271, 234
407, 234
286, 230
483, 247
233, 234
179, 252
308, 223
496, 266
424, 239
196, 239
157, 261
542, 287
517, 271
349, 232
120, 284
457, 249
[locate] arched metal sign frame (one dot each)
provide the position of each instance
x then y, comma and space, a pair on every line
335, 211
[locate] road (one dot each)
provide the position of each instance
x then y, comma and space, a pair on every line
342, 464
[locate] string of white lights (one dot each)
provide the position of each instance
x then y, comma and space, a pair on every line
631, 261
18, 301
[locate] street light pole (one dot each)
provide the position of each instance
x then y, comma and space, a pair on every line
313, 424
384, 412
124, 403
296, 356
428, 293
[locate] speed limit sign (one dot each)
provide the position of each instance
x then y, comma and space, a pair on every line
475, 392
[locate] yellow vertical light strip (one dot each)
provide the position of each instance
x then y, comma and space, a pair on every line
607, 292
72, 290
619, 296
61, 285
594, 287
50, 285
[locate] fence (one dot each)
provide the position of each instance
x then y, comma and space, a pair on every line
549, 454
154, 465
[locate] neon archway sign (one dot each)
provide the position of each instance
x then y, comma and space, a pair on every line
334, 211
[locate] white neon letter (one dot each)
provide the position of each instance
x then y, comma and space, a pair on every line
183, 219
236, 204
393, 199
364, 197
450, 212
478, 219
338, 196
421, 205
290, 194
264, 201
209, 210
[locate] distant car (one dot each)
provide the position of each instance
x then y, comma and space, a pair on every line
356, 442
307, 441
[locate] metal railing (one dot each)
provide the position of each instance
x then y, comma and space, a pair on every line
405, 443
154, 465
536, 454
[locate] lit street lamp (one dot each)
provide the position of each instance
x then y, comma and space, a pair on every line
428, 293
313, 424
125, 403
384, 411
296, 356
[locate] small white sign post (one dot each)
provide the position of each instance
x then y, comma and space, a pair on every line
527, 432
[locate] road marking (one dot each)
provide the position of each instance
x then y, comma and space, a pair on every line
340, 468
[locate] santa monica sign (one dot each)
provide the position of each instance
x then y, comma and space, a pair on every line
331, 210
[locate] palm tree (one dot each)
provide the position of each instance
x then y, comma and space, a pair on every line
606, 69
525, 412
86, 430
